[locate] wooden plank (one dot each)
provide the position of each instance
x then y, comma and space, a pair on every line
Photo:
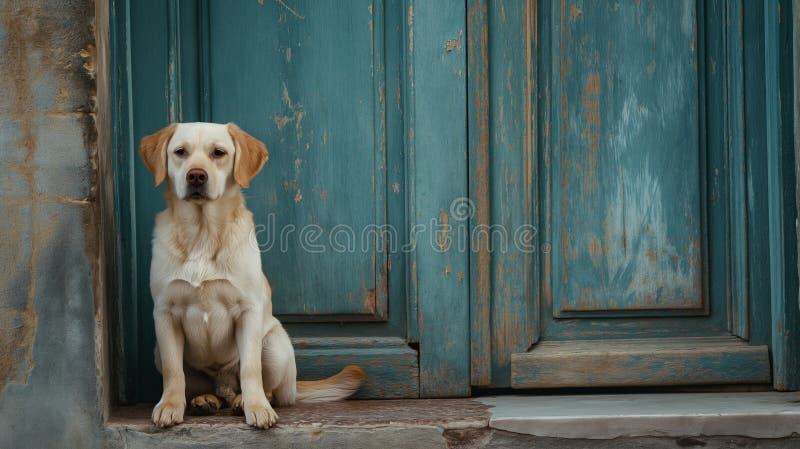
391, 366
757, 195
122, 309
781, 199
503, 171
718, 173
641, 362
479, 182
439, 141
738, 307
107, 281
738, 317
514, 199
150, 100
409, 167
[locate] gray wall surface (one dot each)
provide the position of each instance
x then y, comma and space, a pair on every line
49, 395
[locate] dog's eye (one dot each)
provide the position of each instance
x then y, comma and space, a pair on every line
180, 151
218, 152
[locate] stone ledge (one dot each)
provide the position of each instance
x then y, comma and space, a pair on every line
754, 415
623, 420
384, 424
363, 414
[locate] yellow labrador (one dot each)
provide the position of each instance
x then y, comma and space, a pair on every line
212, 303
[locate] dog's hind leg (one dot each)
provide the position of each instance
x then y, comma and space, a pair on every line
279, 373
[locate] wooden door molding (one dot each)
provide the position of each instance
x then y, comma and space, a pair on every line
649, 362
436, 143
779, 84
505, 237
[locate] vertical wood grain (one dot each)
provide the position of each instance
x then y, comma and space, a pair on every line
781, 180
439, 140
739, 308
757, 193
479, 187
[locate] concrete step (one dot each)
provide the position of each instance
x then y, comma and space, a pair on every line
755, 415
711, 420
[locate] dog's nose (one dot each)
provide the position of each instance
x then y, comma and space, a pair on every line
196, 177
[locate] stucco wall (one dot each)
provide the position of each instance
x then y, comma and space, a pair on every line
48, 236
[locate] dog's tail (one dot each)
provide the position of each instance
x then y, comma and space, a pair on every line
334, 388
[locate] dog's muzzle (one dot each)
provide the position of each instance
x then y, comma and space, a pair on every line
196, 184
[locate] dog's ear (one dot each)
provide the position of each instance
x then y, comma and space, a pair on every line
251, 154
153, 150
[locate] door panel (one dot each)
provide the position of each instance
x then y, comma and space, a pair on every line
627, 207
329, 205
627, 125
320, 108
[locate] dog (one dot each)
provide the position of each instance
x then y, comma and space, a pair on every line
212, 304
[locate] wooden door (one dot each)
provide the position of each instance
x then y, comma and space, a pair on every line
614, 130
318, 82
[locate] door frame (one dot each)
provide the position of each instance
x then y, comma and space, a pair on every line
764, 297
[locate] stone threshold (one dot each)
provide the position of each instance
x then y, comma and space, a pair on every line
754, 415
467, 422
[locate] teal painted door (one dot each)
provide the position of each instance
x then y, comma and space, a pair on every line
318, 82
612, 132
614, 155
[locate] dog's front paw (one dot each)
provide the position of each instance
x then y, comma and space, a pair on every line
260, 415
205, 404
168, 412
236, 406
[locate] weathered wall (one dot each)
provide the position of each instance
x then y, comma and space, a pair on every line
48, 236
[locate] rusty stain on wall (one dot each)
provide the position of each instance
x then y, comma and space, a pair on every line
48, 73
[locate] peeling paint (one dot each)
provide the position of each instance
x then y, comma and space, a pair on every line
643, 251
453, 44
591, 108
287, 8
441, 237
574, 12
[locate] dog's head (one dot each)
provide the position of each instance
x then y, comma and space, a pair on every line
201, 160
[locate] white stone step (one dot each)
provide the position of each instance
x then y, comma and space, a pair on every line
755, 415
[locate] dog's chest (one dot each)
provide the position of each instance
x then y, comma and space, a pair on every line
209, 324
203, 262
